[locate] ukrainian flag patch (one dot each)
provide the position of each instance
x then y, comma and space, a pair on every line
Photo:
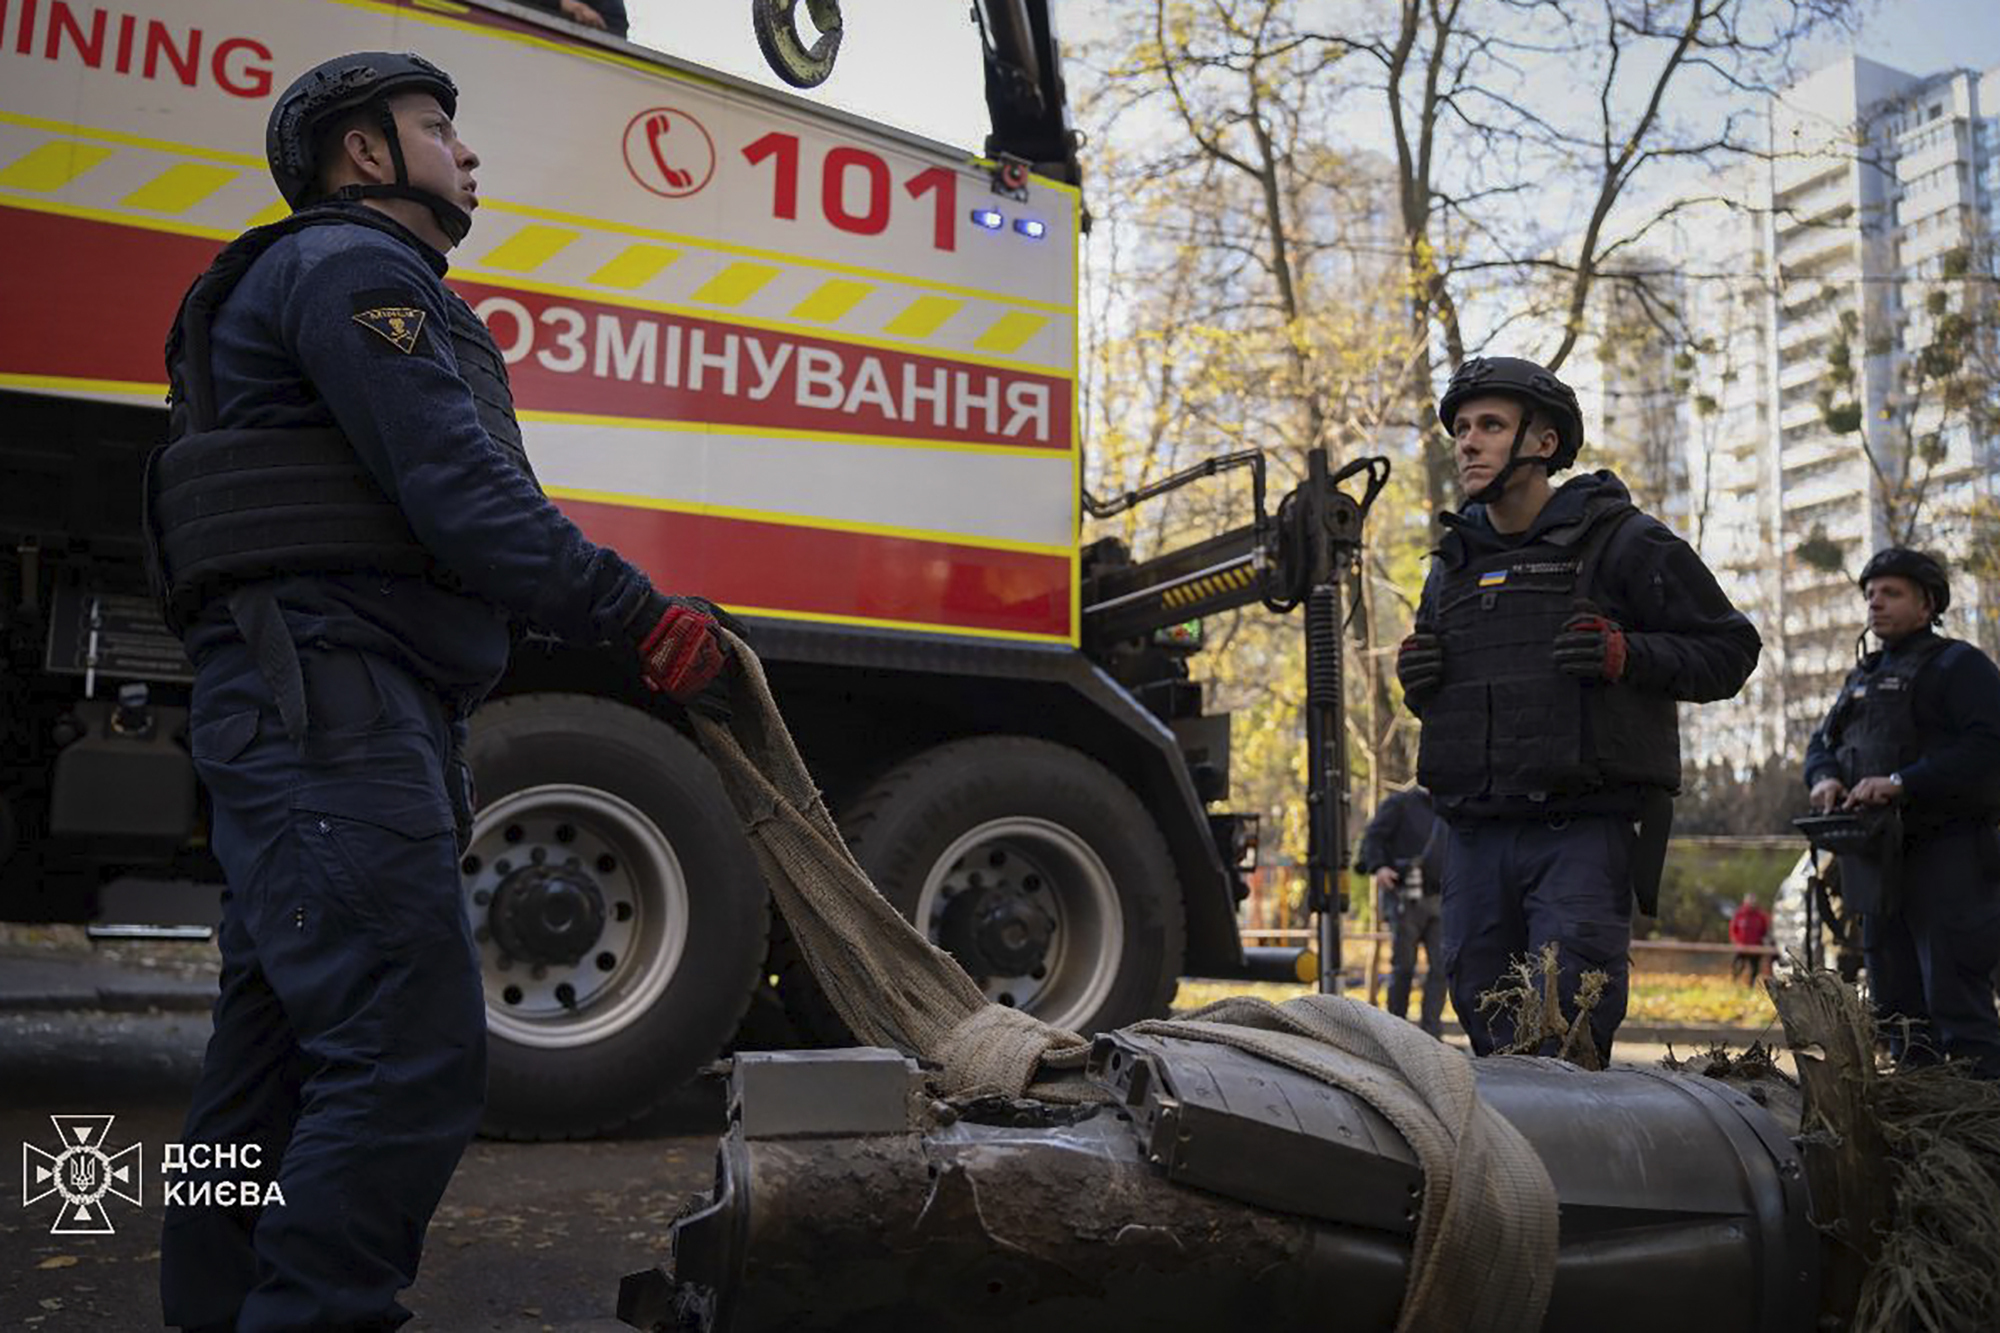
1493, 578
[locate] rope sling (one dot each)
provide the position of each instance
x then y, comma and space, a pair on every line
1483, 1256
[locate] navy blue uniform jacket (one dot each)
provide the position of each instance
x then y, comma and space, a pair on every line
1402, 831
1956, 707
289, 352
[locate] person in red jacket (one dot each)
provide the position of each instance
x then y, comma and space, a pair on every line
1748, 928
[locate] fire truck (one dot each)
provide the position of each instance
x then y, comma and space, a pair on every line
818, 369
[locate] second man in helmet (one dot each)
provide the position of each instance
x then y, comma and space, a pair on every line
1557, 631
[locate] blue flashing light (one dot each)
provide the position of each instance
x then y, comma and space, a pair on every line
1032, 228
989, 218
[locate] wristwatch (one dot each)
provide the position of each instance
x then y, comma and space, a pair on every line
1896, 781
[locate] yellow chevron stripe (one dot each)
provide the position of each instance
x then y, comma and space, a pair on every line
529, 248
270, 213
1010, 332
131, 140
635, 266
573, 219
736, 284
52, 166
923, 317
832, 299
180, 187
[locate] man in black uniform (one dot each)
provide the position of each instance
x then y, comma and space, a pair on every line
1556, 631
346, 530
1917, 726
1403, 850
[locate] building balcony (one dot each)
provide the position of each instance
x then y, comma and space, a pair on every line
1799, 376
1812, 251
1793, 181
1803, 343
1827, 490
1818, 447
1794, 423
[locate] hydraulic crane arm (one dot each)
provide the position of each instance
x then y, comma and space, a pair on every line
1305, 553
1269, 561
1026, 100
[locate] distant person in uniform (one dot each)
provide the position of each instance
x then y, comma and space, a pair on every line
347, 532
1403, 851
1916, 726
1557, 631
1748, 927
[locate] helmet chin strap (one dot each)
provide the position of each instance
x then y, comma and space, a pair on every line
1491, 492
452, 220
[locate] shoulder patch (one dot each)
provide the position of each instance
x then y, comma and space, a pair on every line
400, 325
393, 316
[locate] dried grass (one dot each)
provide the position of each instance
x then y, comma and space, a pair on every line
1527, 993
1939, 1268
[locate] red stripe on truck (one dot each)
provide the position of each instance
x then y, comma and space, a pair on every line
90, 300
567, 354
816, 571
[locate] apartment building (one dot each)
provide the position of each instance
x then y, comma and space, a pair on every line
1817, 434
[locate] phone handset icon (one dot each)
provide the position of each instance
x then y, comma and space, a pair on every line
657, 128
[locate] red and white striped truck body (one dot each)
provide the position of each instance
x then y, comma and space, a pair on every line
817, 369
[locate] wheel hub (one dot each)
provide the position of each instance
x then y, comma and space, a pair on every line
548, 914
997, 931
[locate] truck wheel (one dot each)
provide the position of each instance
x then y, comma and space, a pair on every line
620, 917
1036, 868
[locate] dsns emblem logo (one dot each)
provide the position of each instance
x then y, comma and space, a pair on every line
82, 1173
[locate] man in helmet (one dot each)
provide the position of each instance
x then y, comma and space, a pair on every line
1917, 726
347, 533
1557, 629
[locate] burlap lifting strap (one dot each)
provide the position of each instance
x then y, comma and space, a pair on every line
1484, 1252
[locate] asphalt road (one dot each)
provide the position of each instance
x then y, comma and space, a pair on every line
529, 1237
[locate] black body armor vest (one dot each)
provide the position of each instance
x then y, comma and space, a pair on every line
1872, 727
1506, 722
224, 508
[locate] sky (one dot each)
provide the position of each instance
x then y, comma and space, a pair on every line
912, 63
915, 63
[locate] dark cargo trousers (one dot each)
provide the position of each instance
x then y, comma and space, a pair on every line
1930, 966
1414, 921
350, 1034
1513, 885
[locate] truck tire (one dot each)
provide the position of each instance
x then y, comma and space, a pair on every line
1034, 866
620, 917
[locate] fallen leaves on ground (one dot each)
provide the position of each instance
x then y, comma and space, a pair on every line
1658, 999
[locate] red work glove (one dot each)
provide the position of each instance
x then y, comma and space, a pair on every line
682, 655
1420, 667
1591, 646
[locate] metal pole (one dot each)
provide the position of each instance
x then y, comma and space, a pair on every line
1326, 749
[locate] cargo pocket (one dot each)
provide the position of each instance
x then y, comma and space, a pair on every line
385, 860
342, 694
223, 739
